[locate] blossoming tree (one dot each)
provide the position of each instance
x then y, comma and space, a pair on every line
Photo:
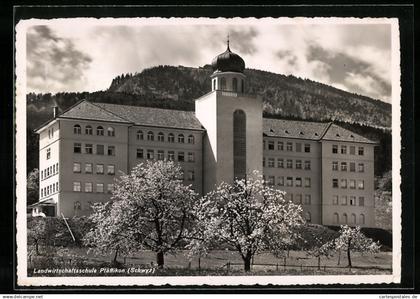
247, 216
150, 209
352, 239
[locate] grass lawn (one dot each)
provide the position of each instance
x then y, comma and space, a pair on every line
215, 263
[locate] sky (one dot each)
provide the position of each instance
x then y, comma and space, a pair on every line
86, 54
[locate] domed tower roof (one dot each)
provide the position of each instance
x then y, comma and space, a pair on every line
228, 62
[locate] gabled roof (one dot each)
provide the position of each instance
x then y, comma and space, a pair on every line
310, 130
337, 133
154, 116
293, 128
87, 110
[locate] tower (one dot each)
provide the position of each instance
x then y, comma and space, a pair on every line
232, 147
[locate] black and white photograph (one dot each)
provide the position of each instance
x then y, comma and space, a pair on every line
216, 151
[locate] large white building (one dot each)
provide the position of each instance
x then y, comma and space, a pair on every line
327, 169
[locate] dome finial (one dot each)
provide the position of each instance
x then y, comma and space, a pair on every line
227, 41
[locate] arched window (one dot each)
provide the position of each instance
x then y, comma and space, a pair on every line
235, 84
100, 131
161, 137
88, 130
345, 218
353, 218
308, 217
362, 219
77, 129
180, 138
214, 84
242, 86
191, 139
111, 131
239, 144
140, 135
336, 218
222, 83
171, 137
150, 136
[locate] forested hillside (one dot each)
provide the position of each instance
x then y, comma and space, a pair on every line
177, 88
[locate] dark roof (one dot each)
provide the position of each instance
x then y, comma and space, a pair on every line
310, 130
293, 128
228, 62
134, 114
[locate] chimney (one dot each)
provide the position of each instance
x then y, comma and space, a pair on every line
55, 111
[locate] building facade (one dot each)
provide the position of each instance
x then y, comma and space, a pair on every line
327, 169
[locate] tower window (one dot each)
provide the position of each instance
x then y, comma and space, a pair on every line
234, 84
242, 86
239, 144
222, 83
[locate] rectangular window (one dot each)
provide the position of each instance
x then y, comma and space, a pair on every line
289, 164
280, 181
99, 168
335, 149
88, 148
150, 154
307, 182
343, 149
181, 157
361, 201
140, 153
335, 183
171, 155
111, 150
77, 148
271, 180
190, 176
343, 200
100, 188
289, 181
53, 188
264, 143
289, 147
361, 167
48, 153
352, 150
161, 155
271, 162
298, 164
77, 187
42, 192
298, 198
352, 184
361, 151
361, 184
307, 199
271, 145
343, 166
110, 169
100, 149
88, 167
280, 163
298, 182
76, 167
352, 200
308, 165
334, 165
343, 183
109, 188
335, 200
280, 145
307, 148
352, 167
298, 147
263, 164
56, 186
88, 187
54, 169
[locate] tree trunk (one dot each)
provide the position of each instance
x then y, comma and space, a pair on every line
319, 262
36, 248
348, 253
247, 261
339, 257
160, 259
115, 256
